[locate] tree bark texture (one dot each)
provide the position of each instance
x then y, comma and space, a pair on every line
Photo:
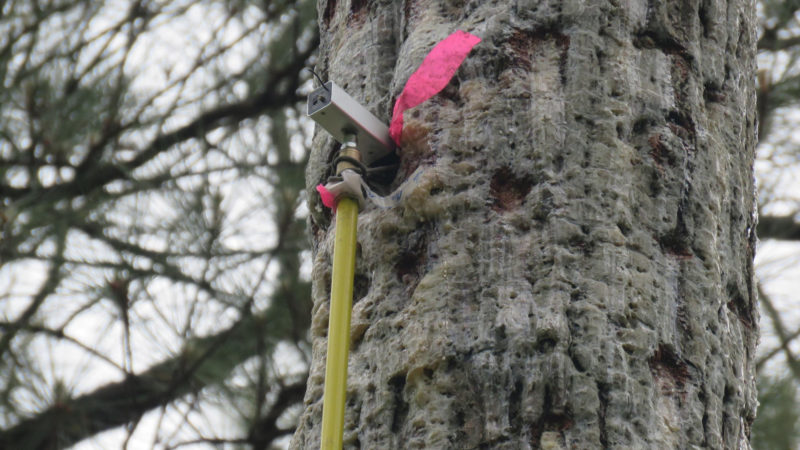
574, 267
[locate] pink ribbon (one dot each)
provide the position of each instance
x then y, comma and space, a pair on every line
432, 76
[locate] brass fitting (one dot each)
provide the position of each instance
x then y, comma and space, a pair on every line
348, 151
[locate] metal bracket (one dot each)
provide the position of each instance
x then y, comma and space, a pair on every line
342, 116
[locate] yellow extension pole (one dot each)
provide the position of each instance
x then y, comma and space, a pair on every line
344, 264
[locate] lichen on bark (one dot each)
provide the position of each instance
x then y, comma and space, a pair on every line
576, 269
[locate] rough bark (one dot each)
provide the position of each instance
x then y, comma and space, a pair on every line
574, 269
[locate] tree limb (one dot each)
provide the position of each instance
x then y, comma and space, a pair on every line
775, 45
763, 360
50, 284
778, 227
266, 430
780, 330
92, 173
202, 362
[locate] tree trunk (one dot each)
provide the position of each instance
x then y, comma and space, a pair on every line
574, 267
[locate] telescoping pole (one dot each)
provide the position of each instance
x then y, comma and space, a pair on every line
349, 123
344, 264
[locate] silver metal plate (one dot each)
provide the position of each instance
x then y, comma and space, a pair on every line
339, 114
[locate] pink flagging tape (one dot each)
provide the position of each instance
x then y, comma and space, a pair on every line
328, 199
432, 76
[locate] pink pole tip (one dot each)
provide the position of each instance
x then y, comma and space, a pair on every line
327, 198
